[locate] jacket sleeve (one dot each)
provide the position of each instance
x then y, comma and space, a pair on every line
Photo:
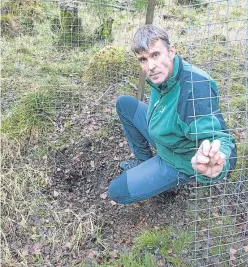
202, 119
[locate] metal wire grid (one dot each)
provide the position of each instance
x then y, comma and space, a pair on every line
219, 211
218, 242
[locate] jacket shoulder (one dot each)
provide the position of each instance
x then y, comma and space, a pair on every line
198, 94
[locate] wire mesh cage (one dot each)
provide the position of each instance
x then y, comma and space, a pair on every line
64, 65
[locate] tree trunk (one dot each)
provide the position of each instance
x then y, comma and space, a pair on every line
149, 20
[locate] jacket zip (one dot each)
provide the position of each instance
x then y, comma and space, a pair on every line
177, 79
154, 107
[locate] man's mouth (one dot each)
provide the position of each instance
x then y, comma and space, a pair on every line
155, 74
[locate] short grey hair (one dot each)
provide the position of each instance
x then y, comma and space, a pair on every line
146, 36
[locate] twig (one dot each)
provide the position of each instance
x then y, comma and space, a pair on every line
103, 95
131, 84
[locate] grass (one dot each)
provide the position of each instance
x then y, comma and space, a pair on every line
44, 83
130, 260
168, 244
33, 223
32, 114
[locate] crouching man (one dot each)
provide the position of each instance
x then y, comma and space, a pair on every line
182, 122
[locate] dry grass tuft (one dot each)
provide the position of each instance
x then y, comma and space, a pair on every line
36, 228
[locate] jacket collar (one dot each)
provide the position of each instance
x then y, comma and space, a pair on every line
165, 87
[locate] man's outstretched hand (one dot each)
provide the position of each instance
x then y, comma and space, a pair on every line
208, 160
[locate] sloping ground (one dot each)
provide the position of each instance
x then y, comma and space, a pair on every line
89, 159
69, 219
55, 208
83, 168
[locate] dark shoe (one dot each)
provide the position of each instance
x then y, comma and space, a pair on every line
129, 164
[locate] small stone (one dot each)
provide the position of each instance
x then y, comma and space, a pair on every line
55, 193
88, 190
104, 195
132, 156
185, 252
114, 254
156, 251
219, 222
66, 246
92, 164
113, 203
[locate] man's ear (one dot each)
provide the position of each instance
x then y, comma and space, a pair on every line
172, 51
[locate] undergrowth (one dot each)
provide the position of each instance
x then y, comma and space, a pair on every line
32, 114
44, 82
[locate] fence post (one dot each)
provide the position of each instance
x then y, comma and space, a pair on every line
70, 23
149, 20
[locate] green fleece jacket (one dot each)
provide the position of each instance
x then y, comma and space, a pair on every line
183, 112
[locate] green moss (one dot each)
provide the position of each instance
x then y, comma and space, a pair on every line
237, 88
237, 115
237, 12
19, 17
103, 133
110, 65
10, 25
70, 28
241, 169
30, 115
140, 4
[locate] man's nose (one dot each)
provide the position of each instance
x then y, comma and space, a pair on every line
151, 64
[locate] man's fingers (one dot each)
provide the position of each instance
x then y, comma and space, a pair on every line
205, 147
218, 159
209, 160
208, 171
202, 168
200, 159
215, 147
214, 160
222, 159
215, 171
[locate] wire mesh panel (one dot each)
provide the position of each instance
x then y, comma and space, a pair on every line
64, 65
217, 42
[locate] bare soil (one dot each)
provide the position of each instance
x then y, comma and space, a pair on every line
86, 163
86, 159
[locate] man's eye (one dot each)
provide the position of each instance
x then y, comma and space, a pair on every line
142, 60
155, 54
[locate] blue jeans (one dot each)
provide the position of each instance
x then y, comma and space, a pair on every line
154, 175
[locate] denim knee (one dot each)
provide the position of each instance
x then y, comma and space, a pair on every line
118, 190
127, 105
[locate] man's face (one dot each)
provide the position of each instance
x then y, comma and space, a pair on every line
157, 62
